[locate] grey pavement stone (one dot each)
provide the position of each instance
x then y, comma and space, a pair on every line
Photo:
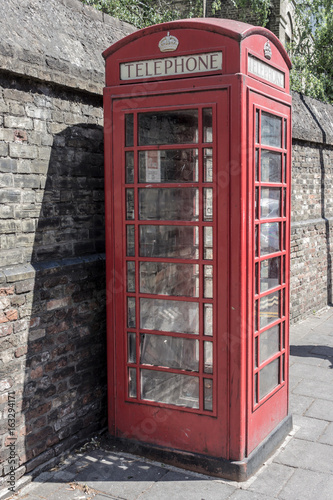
321, 409
315, 390
311, 372
248, 495
175, 484
271, 480
310, 429
327, 436
308, 485
299, 404
307, 455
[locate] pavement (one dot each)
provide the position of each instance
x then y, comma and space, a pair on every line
301, 469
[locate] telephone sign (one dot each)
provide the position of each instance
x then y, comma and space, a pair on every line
197, 185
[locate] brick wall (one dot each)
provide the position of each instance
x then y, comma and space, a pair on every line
52, 262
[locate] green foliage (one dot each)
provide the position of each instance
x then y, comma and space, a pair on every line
260, 8
312, 49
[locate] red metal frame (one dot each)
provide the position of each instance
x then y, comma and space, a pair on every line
237, 424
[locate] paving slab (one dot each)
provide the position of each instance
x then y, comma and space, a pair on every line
310, 429
327, 436
321, 409
308, 485
272, 479
307, 455
311, 388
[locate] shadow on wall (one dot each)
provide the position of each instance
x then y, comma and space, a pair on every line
64, 397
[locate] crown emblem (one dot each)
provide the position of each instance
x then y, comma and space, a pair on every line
267, 50
168, 43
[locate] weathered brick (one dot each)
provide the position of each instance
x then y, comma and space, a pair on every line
18, 122
8, 165
6, 329
23, 151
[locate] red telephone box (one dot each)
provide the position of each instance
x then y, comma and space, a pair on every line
197, 176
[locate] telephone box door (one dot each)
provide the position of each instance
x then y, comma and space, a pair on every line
171, 274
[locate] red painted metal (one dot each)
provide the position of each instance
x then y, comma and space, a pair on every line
237, 422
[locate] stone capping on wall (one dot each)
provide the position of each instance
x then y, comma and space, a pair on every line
66, 45
312, 120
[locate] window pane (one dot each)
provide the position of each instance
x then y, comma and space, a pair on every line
208, 282
207, 120
131, 347
269, 378
271, 130
130, 241
270, 203
257, 126
170, 388
208, 242
129, 167
256, 203
169, 204
269, 309
269, 343
208, 319
131, 276
269, 274
257, 165
269, 238
208, 394
170, 352
171, 165
208, 204
208, 165
271, 166
131, 312
168, 127
180, 242
169, 279
130, 214
132, 390
208, 357
169, 315
129, 128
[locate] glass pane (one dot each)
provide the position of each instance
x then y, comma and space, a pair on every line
256, 352
256, 279
129, 130
180, 242
131, 312
171, 165
270, 203
269, 378
257, 165
284, 236
271, 166
208, 242
170, 388
256, 316
269, 309
283, 326
130, 241
169, 204
284, 302
256, 388
130, 215
131, 276
284, 270
269, 343
132, 390
208, 282
284, 203
208, 394
283, 368
256, 204
207, 121
168, 127
256, 248
208, 357
208, 165
129, 167
269, 238
169, 315
285, 168
170, 352
285, 134
257, 126
131, 347
208, 319
269, 274
271, 130
208, 204
169, 279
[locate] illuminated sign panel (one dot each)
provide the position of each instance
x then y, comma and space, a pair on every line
265, 71
171, 66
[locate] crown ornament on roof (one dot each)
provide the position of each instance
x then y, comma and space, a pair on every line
169, 43
268, 50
